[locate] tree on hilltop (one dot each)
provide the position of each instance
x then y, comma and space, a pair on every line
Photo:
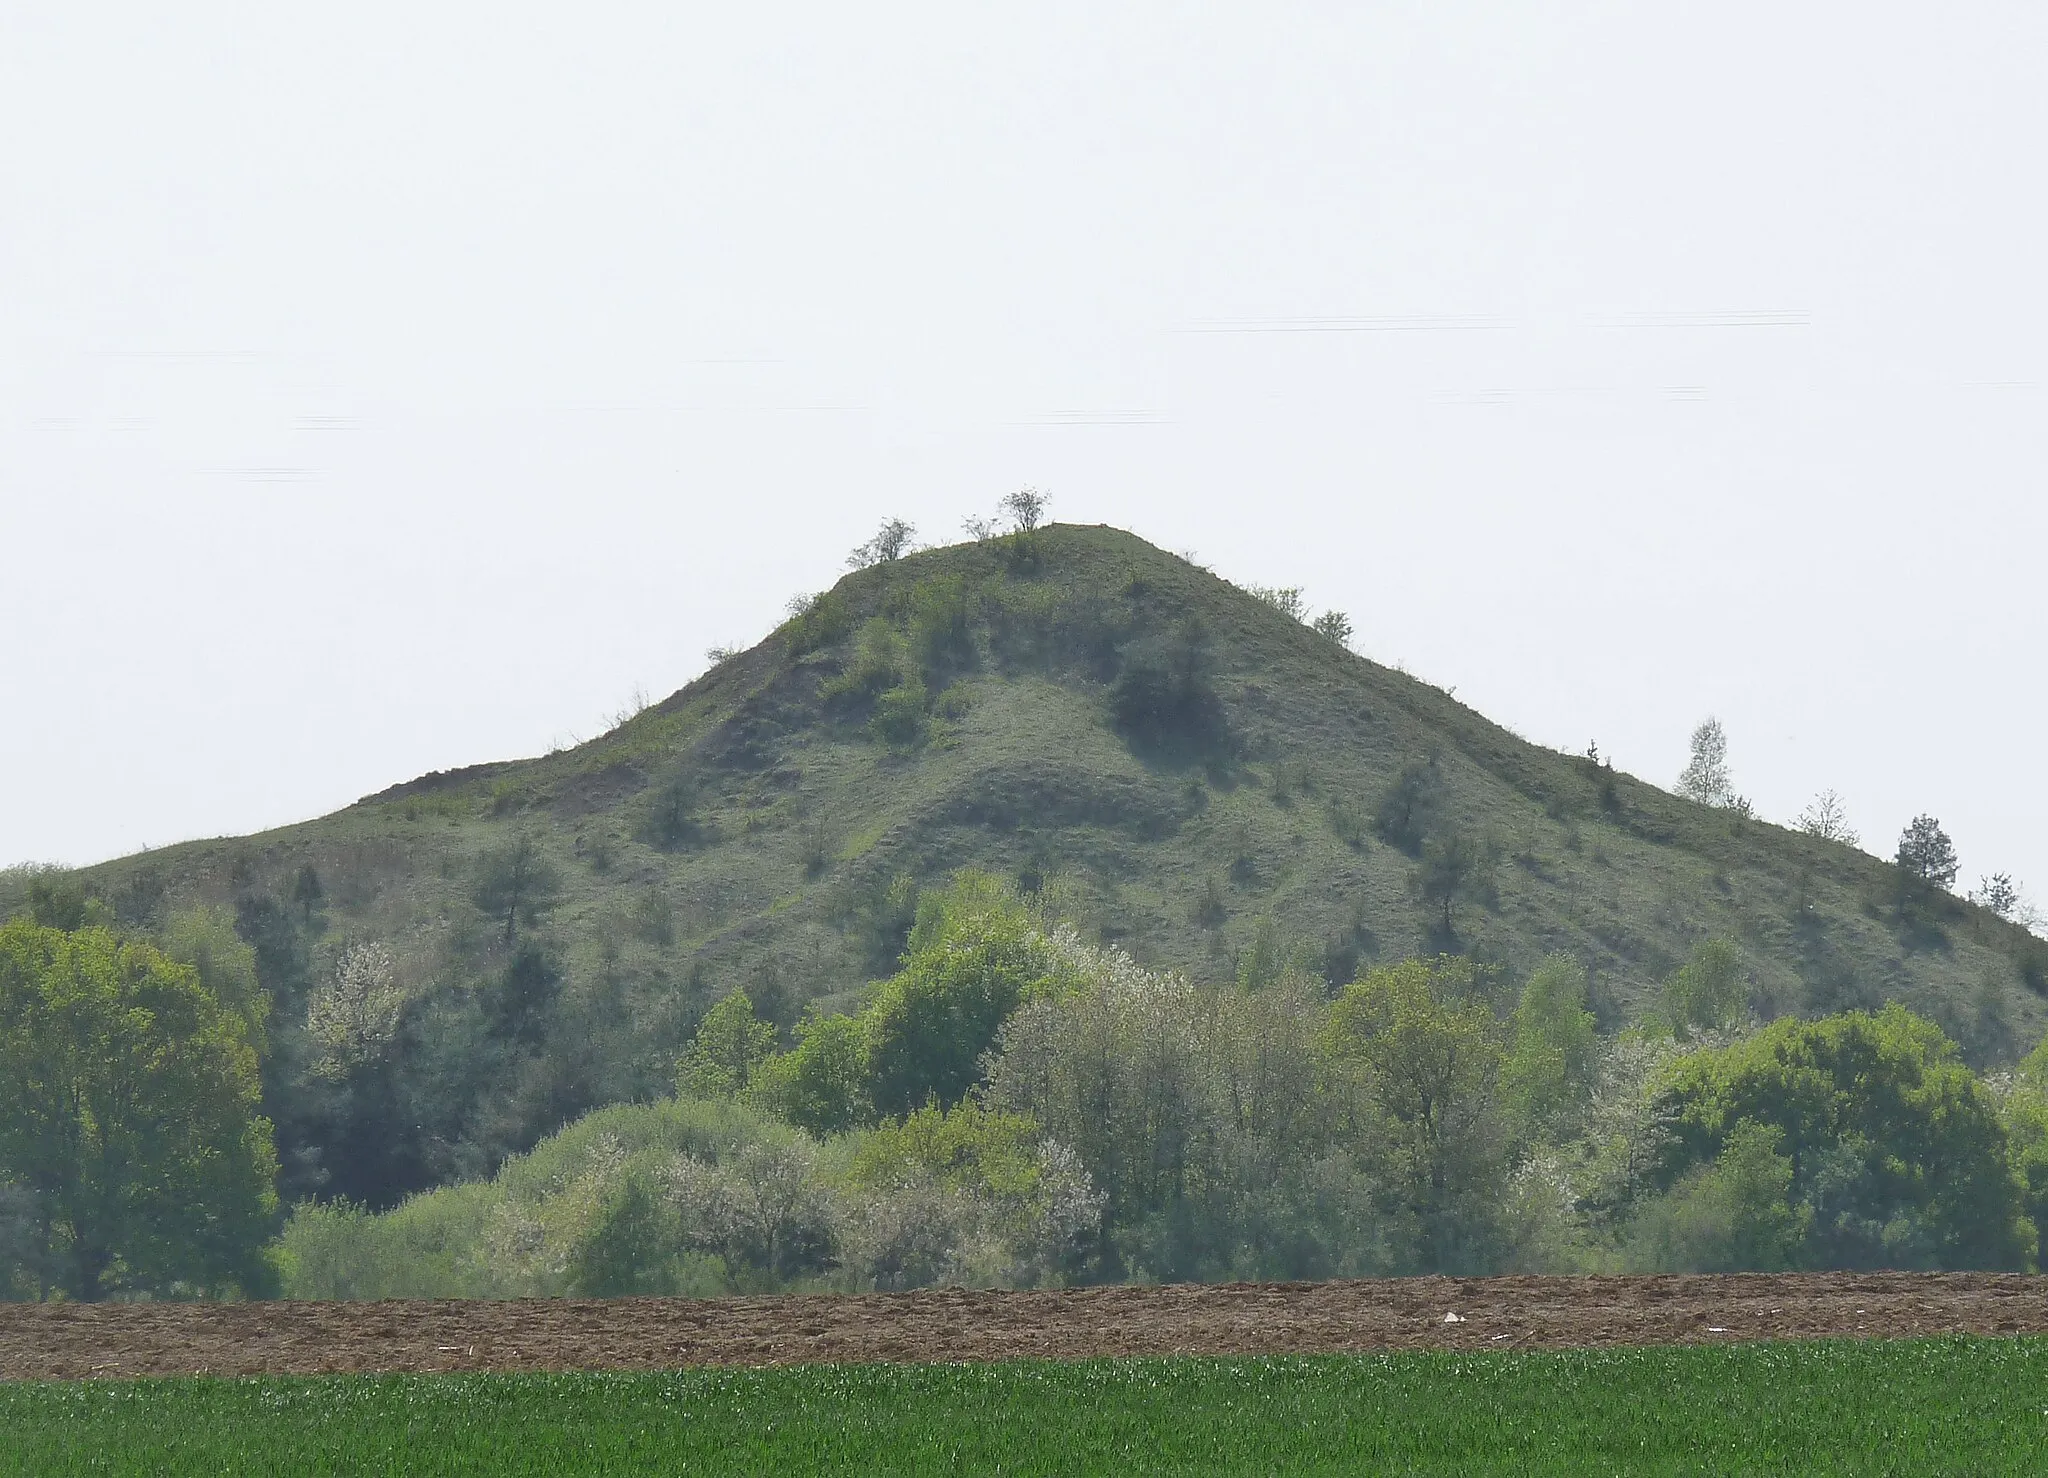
891, 541
1024, 508
1926, 853
1705, 777
1827, 818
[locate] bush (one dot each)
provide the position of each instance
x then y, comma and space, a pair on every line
669, 823
942, 626
1708, 991
877, 665
817, 622
1408, 808
900, 719
1163, 699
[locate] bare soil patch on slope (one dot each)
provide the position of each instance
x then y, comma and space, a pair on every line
73, 1341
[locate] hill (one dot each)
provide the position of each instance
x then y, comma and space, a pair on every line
464, 962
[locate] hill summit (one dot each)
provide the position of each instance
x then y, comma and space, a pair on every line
1174, 764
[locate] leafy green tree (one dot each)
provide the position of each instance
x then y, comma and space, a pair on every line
731, 1043
2024, 1110
1707, 992
821, 1084
1423, 1048
516, 885
973, 957
63, 903
1732, 1216
520, 999
283, 960
1553, 1057
900, 720
205, 939
128, 1106
631, 1244
816, 621
307, 892
1895, 1146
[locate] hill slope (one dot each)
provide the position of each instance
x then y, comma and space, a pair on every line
1184, 769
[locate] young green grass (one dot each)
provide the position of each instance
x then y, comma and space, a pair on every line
1911, 1406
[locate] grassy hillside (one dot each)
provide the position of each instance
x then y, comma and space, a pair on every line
1180, 767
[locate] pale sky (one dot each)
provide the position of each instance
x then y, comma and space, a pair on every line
400, 386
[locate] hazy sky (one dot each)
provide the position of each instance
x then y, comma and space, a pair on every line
400, 386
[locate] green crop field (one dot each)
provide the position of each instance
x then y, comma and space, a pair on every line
1910, 1406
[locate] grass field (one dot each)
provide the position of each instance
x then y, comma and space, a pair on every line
1908, 1406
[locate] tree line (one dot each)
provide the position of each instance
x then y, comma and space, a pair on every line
1017, 1107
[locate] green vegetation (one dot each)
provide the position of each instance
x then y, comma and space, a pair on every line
128, 1127
1921, 1406
1018, 1108
1150, 758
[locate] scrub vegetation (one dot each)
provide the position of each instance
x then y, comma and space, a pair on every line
1017, 1108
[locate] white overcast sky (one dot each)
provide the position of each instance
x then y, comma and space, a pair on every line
400, 386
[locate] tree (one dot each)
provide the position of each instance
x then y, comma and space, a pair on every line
1705, 777
1926, 853
630, 1245
515, 885
1163, 699
2004, 897
1426, 1049
307, 892
670, 822
520, 999
353, 1019
128, 1108
1410, 805
205, 939
1335, 625
1454, 869
1827, 818
891, 541
1895, 1146
1553, 1056
973, 957
62, 903
1706, 993
820, 1085
1025, 509
1731, 1216
730, 1044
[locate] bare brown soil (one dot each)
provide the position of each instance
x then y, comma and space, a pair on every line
69, 1341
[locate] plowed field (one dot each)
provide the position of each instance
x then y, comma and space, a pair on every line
68, 1341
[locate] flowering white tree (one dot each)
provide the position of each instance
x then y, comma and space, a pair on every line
353, 1018
1705, 777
